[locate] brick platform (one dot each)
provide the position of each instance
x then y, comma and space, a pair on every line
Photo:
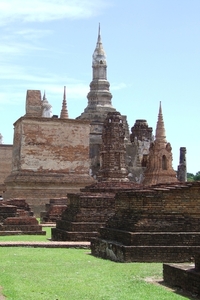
184, 276
155, 224
53, 210
17, 218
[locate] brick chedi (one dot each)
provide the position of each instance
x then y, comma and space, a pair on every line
113, 149
88, 211
64, 111
159, 166
16, 217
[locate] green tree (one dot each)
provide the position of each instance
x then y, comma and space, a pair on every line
197, 176
190, 177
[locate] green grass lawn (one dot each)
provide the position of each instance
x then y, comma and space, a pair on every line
73, 274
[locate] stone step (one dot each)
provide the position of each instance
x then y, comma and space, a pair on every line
79, 226
117, 252
62, 235
151, 238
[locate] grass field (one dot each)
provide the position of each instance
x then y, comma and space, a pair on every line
50, 274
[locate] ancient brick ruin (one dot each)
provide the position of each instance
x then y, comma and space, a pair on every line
184, 276
53, 210
16, 217
182, 167
89, 210
5, 165
99, 105
50, 156
112, 153
159, 164
53, 157
154, 224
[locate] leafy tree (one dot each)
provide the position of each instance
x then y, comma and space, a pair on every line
197, 176
190, 177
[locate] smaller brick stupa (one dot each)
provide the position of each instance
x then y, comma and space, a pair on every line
112, 153
16, 217
159, 166
53, 210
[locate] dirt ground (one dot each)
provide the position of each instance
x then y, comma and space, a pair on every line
1, 296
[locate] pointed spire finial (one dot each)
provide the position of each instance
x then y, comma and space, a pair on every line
64, 111
44, 96
160, 129
99, 34
160, 109
99, 55
64, 95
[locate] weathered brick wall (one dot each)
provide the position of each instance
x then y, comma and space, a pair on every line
160, 224
112, 250
5, 164
51, 158
44, 144
183, 276
83, 217
176, 208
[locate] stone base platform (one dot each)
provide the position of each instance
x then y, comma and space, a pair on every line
53, 210
120, 253
184, 276
150, 238
85, 214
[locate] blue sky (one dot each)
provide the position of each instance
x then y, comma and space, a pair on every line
153, 55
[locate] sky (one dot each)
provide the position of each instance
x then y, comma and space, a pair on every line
153, 55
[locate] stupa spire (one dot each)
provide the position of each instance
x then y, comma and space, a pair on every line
159, 167
64, 111
99, 55
160, 128
99, 95
44, 96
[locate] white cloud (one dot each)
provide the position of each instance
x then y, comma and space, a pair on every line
48, 10
32, 34
17, 48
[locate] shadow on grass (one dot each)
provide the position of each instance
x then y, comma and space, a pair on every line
175, 289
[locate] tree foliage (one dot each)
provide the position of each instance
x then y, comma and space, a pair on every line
192, 177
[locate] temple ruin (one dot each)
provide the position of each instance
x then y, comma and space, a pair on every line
50, 155
95, 204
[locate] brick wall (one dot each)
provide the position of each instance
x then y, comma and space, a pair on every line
173, 208
184, 276
51, 158
5, 164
